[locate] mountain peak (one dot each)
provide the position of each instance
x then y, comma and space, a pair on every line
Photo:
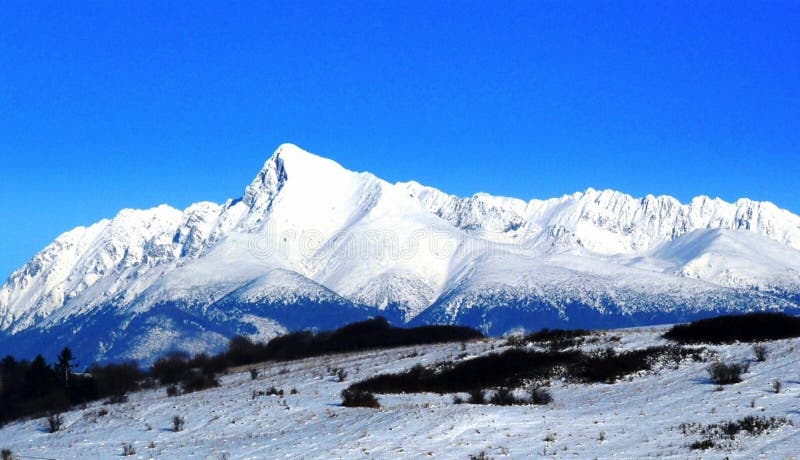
305, 170
298, 161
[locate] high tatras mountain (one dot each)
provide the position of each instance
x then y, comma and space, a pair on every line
314, 245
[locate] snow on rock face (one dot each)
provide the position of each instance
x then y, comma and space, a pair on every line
312, 236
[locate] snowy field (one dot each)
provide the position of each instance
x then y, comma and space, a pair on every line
638, 417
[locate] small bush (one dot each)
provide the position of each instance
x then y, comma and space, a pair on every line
504, 397
776, 386
723, 433
760, 351
338, 373
457, 399
102, 412
54, 422
128, 449
359, 398
294, 391
6, 454
751, 425
177, 423
540, 396
704, 444
253, 374
272, 391
482, 455
726, 374
172, 390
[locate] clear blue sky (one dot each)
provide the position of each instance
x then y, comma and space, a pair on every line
106, 105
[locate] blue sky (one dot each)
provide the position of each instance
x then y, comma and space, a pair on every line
107, 105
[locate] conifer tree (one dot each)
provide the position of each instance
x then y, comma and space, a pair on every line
64, 366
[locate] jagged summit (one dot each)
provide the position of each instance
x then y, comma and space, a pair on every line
312, 244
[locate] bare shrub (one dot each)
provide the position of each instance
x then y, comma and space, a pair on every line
359, 398
172, 390
540, 396
128, 449
726, 374
177, 423
724, 433
776, 386
760, 351
54, 422
272, 391
703, 444
505, 397
253, 374
6, 454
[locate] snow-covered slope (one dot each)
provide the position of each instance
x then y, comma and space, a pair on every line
312, 244
635, 418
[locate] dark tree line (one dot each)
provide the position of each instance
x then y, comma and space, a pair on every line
515, 367
36, 388
749, 327
365, 335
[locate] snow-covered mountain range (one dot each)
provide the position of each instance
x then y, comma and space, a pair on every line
314, 245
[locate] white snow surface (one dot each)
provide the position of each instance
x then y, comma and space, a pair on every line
637, 417
307, 229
